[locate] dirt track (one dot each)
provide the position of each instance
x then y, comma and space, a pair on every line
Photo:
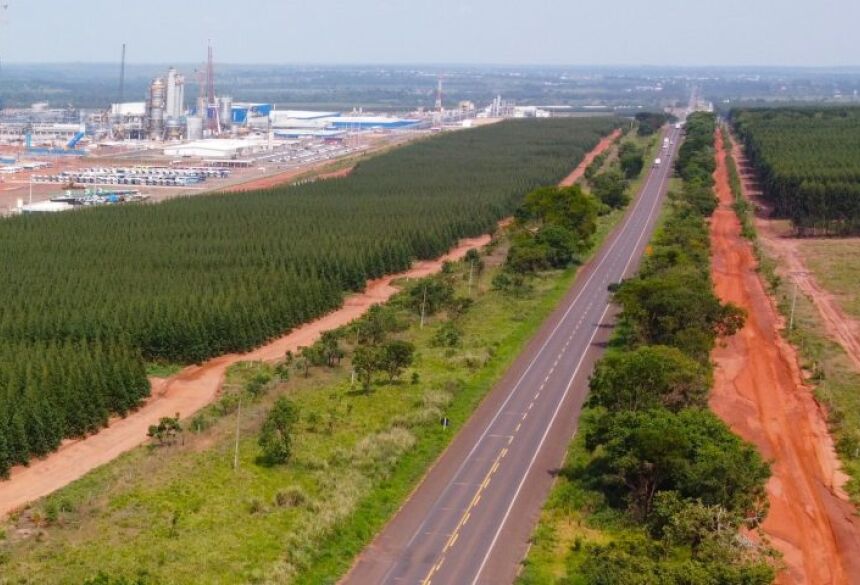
189, 391
286, 177
759, 392
601, 147
841, 328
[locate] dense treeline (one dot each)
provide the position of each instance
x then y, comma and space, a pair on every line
654, 449
88, 296
808, 163
650, 122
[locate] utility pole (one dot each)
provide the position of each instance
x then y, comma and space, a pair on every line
236, 450
423, 306
795, 275
122, 76
471, 271
793, 305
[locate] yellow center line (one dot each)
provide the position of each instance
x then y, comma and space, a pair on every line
468, 512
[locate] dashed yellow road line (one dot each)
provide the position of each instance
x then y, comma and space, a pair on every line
452, 539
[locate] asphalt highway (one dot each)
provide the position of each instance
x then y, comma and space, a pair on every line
469, 521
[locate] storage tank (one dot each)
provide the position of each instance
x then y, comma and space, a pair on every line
194, 127
172, 129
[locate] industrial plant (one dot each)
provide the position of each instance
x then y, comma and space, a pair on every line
171, 144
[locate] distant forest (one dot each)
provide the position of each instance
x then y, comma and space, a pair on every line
379, 88
808, 163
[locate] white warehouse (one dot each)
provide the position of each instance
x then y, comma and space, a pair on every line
217, 148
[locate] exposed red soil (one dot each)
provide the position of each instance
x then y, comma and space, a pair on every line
842, 328
601, 147
759, 392
190, 390
196, 386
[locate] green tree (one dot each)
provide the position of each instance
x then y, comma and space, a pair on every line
276, 435
640, 453
648, 377
631, 158
330, 348
366, 361
396, 355
431, 295
5, 456
559, 245
568, 207
167, 431
650, 122
611, 188
526, 254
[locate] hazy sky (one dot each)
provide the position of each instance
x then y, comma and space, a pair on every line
574, 32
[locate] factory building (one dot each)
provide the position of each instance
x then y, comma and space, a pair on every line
243, 114
300, 118
371, 123
217, 149
318, 133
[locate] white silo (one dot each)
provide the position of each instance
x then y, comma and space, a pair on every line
225, 114
175, 91
194, 127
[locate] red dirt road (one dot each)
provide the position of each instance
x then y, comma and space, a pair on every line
286, 177
189, 391
589, 158
759, 392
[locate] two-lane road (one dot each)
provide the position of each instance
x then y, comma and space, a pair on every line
470, 519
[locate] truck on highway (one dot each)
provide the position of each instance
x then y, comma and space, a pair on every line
657, 162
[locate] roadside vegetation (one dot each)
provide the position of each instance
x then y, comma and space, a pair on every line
743, 208
655, 487
90, 297
807, 163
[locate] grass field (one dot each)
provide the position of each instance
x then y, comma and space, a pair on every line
182, 514
836, 265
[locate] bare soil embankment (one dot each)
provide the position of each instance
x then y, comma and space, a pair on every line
759, 392
287, 177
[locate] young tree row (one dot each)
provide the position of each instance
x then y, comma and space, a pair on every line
808, 164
